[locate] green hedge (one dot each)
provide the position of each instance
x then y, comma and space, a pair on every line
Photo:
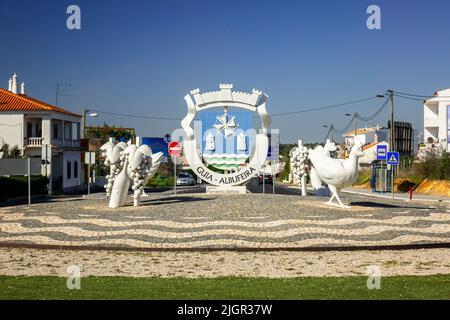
160, 182
17, 186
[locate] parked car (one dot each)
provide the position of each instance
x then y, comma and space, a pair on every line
267, 179
185, 179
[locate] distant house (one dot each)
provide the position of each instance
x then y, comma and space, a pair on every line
366, 135
30, 123
370, 138
436, 114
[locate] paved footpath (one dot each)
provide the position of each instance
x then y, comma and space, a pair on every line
193, 221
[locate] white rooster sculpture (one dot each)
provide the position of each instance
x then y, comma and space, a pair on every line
337, 173
319, 188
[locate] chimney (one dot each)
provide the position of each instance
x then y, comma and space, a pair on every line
10, 85
22, 88
14, 84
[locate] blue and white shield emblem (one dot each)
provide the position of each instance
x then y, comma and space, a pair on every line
227, 138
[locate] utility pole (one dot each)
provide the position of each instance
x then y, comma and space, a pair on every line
392, 131
392, 138
83, 123
356, 125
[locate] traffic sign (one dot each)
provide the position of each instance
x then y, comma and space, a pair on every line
89, 157
175, 148
393, 158
381, 152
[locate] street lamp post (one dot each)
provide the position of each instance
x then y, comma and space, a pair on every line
83, 121
331, 130
356, 117
82, 133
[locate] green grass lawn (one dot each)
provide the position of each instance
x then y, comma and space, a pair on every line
401, 287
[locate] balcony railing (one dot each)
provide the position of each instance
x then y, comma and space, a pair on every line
33, 142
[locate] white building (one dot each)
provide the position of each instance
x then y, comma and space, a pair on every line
436, 119
365, 136
30, 123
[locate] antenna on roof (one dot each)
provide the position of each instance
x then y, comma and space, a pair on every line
57, 91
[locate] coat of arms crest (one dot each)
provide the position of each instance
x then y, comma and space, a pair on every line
228, 150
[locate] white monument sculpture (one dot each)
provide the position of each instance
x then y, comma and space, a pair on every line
156, 161
111, 153
246, 160
321, 189
128, 161
300, 165
336, 173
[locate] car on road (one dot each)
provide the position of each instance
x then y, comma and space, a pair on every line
267, 179
185, 179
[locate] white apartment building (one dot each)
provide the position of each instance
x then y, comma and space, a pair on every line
30, 123
436, 119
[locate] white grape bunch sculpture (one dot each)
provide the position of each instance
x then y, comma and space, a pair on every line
139, 167
112, 154
300, 163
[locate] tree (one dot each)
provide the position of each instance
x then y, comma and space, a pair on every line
8, 152
106, 131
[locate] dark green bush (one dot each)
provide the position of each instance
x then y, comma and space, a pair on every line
160, 181
17, 186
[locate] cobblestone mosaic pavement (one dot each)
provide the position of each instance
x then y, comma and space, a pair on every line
231, 221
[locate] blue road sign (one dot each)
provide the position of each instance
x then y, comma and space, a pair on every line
157, 145
381, 152
393, 158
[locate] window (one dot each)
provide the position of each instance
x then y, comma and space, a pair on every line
75, 131
55, 131
67, 128
69, 170
75, 169
29, 130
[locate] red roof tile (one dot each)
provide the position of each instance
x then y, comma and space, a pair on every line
19, 102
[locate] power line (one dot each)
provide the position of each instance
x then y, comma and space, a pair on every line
373, 116
357, 116
411, 94
135, 116
418, 95
409, 98
347, 126
323, 107
311, 109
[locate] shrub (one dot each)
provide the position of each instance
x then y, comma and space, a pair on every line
17, 186
364, 177
435, 165
160, 181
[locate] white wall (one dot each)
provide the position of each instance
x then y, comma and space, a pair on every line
435, 113
12, 129
442, 121
71, 156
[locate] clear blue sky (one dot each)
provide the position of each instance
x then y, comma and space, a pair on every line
142, 57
